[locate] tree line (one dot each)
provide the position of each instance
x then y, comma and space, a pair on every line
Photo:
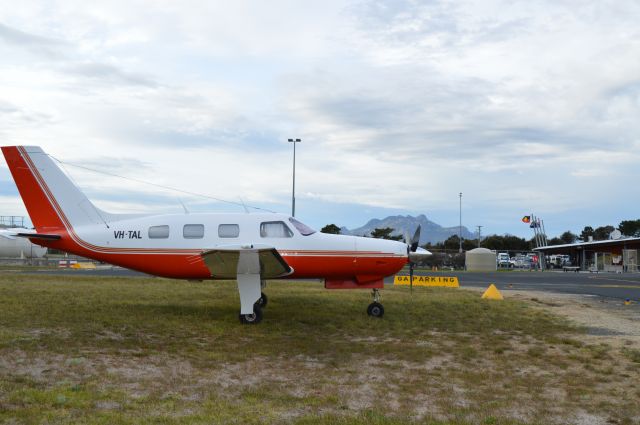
630, 228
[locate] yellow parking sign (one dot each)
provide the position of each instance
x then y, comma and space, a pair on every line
445, 281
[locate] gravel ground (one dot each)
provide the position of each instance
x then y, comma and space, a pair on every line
607, 320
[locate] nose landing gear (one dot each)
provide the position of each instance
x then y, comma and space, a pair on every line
375, 309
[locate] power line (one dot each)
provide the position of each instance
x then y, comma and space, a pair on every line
186, 192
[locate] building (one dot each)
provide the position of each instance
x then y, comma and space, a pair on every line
613, 255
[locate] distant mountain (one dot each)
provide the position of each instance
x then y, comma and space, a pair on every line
430, 232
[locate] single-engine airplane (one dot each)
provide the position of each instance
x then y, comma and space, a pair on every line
247, 247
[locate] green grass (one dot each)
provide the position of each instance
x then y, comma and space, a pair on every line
112, 350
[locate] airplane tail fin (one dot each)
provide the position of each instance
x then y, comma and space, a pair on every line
52, 200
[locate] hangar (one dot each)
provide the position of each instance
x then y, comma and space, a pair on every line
612, 255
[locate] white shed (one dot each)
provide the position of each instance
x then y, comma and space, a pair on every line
480, 260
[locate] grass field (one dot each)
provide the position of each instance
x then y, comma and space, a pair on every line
143, 350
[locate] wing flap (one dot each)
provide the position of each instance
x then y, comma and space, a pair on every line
223, 263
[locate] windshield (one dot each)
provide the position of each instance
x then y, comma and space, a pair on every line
302, 228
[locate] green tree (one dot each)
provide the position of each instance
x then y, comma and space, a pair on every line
505, 243
586, 232
331, 228
555, 241
630, 227
469, 244
452, 242
568, 237
602, 233
385, 233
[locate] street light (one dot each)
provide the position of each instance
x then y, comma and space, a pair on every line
460, 226
293, 193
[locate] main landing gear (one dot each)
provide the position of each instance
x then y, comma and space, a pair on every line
255, 317
375, 309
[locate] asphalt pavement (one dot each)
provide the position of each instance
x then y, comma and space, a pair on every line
609, 285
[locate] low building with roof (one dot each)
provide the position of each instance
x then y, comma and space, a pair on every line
612, 255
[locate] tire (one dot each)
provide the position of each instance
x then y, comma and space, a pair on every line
252, 319
375, 310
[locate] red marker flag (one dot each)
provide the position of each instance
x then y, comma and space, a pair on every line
526, 219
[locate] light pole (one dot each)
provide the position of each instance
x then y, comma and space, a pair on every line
479, 227
460, 226
293, 193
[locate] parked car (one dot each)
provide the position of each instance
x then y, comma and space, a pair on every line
503, 260
521, 261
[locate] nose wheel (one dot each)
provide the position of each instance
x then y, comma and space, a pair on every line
375, 309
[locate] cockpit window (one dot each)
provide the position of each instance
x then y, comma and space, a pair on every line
302, 228
275, 229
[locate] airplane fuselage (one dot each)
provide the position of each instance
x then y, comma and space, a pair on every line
170, 245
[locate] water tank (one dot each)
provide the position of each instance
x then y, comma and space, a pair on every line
480, 260
14, 247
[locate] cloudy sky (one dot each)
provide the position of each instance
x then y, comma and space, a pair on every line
524, 106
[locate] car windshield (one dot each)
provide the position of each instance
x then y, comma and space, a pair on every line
302, 228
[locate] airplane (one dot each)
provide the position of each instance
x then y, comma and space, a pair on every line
248, 247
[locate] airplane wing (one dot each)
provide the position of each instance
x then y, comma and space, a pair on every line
228, 262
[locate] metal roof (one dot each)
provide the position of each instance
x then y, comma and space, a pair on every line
621, 241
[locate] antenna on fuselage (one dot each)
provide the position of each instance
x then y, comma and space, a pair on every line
184, 207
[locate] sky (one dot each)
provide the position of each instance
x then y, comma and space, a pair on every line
523, 106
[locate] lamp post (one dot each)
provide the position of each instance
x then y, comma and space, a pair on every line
479, 228
293, 193
460, 226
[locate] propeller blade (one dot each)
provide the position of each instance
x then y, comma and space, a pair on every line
415, 240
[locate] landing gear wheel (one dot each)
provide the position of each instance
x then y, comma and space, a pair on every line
375, 309
252, 319
263, 300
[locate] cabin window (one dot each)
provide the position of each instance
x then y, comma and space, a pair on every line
302, 228
193, 231
159, 232
275, 229
228, 231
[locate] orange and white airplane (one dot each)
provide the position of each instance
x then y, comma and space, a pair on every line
250, 248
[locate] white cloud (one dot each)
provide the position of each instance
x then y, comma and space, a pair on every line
399, 104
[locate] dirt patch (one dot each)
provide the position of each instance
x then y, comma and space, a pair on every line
607, 321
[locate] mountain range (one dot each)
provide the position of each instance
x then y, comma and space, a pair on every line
430, 231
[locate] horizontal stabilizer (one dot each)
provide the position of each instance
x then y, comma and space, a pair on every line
39, 236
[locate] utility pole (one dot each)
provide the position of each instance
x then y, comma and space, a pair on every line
479, 227
293, 192
460, 226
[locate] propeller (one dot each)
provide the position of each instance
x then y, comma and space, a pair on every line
415, 254
412, 247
